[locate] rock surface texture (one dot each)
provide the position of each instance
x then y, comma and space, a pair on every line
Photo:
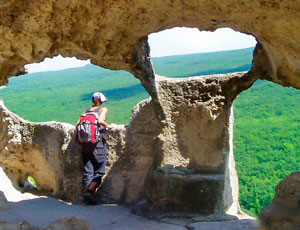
284, 211
114, 33
44, 151
40, 212
184, 163
194, 149
180, 142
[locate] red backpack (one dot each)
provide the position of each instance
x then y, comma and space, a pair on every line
87, 129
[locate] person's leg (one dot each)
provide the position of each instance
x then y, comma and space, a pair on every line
88, 169
99, 163
88, 173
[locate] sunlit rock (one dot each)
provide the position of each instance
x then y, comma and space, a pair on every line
284, 211
44, 151
114, 33
188, 123
152, 161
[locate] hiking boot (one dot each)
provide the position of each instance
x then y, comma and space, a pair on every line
90, 198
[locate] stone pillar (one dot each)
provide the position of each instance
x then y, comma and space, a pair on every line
194, 166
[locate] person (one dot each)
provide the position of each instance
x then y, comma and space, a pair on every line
94, 155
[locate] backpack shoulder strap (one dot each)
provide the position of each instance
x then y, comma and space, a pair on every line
95, 112
98, 110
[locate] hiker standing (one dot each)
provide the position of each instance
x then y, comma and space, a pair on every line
92, 134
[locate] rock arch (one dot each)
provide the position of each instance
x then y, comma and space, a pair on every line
113, 34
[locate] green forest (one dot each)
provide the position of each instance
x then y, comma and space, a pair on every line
266, 141
266, 129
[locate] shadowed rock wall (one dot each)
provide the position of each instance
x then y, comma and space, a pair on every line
42, 150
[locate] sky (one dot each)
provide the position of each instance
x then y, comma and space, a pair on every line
56, 63
174, 41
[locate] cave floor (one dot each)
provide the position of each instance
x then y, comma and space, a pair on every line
42, 211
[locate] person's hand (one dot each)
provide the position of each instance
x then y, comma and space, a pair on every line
112, 125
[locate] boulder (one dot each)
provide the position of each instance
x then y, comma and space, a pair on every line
46, 151
284, 211
178, 191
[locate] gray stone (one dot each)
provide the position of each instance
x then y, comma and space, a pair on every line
284, 211
192, 193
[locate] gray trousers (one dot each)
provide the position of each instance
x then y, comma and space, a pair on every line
94, 158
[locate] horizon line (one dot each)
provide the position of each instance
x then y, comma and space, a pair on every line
76, 67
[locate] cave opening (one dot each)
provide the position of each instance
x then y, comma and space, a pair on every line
174, 54
266, 134
171, 69
60, 89
266, 126
192, 62
116, 31
185, 52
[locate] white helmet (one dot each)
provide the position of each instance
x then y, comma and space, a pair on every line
100, 96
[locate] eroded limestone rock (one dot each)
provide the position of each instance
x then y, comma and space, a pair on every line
194, 139
114, 33
197, 135
126, 177
284, 211
44, 151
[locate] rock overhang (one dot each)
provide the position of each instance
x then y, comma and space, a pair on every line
114, 34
